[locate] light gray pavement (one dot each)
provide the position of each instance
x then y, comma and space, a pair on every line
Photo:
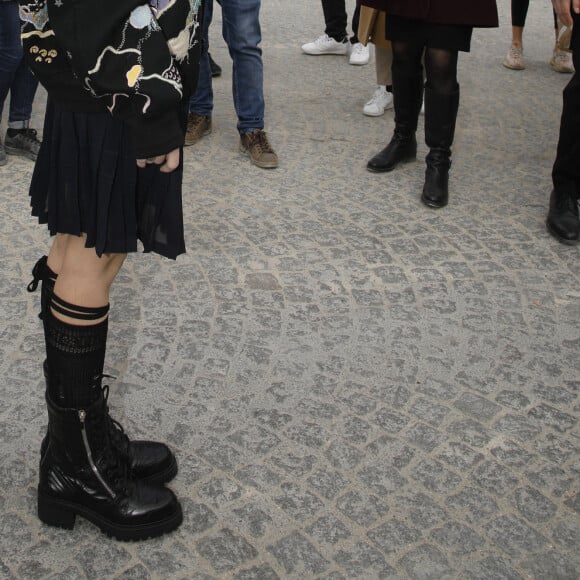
355, 386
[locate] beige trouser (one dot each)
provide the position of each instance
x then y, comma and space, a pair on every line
383, 63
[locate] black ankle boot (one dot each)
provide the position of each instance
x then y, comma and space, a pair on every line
82, 473
440, 116
401, 149
563, 221
436, 188
407, 99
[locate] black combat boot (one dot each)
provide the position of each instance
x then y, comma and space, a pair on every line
82, 473
440, 116
407, 99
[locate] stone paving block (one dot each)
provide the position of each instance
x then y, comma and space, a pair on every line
512, 454
298, 556
457, 538
393, 536
421, 509
327, 483
534, 506
298, 503
476, 504
364, 509
328, 529
426, 562
551, 417
514, 536
555, 449
361, 560
225, 551
494, 477
492, 567
550, 565
435, 477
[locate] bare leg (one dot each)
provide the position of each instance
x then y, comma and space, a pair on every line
83, 279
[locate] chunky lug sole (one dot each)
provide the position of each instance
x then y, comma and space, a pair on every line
62, 514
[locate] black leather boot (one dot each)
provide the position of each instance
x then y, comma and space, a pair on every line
440, 116
407, 98
563, 221
82, 473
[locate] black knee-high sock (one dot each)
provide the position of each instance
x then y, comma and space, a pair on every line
75, 354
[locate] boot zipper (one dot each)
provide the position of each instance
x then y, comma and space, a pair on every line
82, 417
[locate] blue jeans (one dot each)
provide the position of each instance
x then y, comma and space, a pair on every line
15, 76
241, 31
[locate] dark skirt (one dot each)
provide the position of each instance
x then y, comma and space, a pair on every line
443, 36
86, 181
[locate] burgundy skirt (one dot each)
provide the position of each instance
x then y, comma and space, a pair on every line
86, 181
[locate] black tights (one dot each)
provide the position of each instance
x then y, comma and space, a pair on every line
520, 11
440, 65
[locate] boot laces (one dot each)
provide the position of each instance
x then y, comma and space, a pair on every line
115, 467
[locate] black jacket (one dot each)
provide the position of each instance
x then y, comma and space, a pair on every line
137, 59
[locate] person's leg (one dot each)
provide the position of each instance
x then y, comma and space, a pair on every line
561, 60
514, 58
82, 471
441, 106
335, 19
382, 98
408, 96
201, 102
10, 54
242, 33
563, 220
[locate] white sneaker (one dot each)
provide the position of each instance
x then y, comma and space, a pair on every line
359, 54
379, 102
325, 45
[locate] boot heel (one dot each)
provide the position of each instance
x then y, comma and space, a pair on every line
52, 513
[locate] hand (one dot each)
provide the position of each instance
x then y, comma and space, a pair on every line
168, 162
562, 9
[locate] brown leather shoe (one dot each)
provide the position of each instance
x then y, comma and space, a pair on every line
197, 127
256, 145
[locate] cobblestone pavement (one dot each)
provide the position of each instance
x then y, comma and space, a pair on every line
356, 386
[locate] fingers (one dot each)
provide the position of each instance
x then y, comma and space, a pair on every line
171, 161
168, 162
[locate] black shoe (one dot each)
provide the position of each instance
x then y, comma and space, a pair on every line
81, 473
436, 189
148, 461
216, 69
563, 222
401, 149
22, 142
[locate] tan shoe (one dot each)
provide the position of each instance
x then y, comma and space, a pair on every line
197, 127
257, 146
561, 62
515, 58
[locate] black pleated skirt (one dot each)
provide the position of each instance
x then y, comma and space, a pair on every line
444, 36
86, 181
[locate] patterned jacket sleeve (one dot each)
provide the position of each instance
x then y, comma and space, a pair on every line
120, 53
